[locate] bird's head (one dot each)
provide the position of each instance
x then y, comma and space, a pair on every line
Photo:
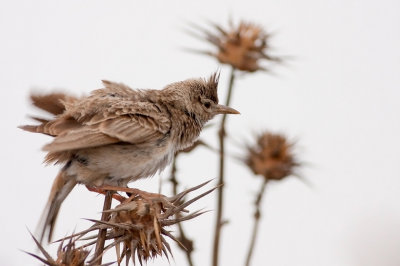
199, 98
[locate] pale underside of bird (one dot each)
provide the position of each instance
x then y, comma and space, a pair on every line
117, 135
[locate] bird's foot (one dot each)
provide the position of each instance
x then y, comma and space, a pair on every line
103, 191
134, 193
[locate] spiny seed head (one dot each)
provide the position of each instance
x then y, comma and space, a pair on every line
272, 157
137, 226
67, 255
139, 223
242, 47
70, 256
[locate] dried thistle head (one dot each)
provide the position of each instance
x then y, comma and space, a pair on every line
140, 224
242, 47
272, 157
67, 255
137, 227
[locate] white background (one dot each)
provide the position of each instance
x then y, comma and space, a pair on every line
339, 97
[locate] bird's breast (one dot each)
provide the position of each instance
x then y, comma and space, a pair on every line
118, 165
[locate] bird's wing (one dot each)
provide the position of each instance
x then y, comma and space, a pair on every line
134, 123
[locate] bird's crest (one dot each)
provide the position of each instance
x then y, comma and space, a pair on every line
212, 86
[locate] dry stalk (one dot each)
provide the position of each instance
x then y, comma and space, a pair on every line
257, 216
187, 244
220, 199
101, 239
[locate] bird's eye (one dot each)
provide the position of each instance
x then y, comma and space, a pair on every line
207, 105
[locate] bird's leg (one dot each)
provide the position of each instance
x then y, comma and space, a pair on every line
103, 191
133, 191
148, 196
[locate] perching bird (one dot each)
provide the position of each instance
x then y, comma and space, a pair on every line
118, 135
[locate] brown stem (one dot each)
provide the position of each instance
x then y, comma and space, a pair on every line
188, 243
221, 136
257, 216
101, 238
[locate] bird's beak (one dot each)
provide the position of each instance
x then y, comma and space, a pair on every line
222, 109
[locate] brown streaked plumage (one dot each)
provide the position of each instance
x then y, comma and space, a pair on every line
117, 135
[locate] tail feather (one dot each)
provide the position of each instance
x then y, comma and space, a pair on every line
29, 128
39, 119
51, 102
62, 186
42, 128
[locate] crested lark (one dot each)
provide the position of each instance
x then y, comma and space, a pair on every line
118, 135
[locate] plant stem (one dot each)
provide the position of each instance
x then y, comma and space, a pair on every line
101, 238
221, 135
188, 243
257, 216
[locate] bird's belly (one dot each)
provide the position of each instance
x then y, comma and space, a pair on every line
117, 165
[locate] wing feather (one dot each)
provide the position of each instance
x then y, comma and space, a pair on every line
85, 137
129, 129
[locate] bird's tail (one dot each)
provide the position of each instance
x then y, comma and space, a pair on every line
62, 186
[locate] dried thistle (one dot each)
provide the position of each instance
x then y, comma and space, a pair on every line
67, 255
272, 157
242, 47
140, 224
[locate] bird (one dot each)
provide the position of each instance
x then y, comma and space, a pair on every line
117, 135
